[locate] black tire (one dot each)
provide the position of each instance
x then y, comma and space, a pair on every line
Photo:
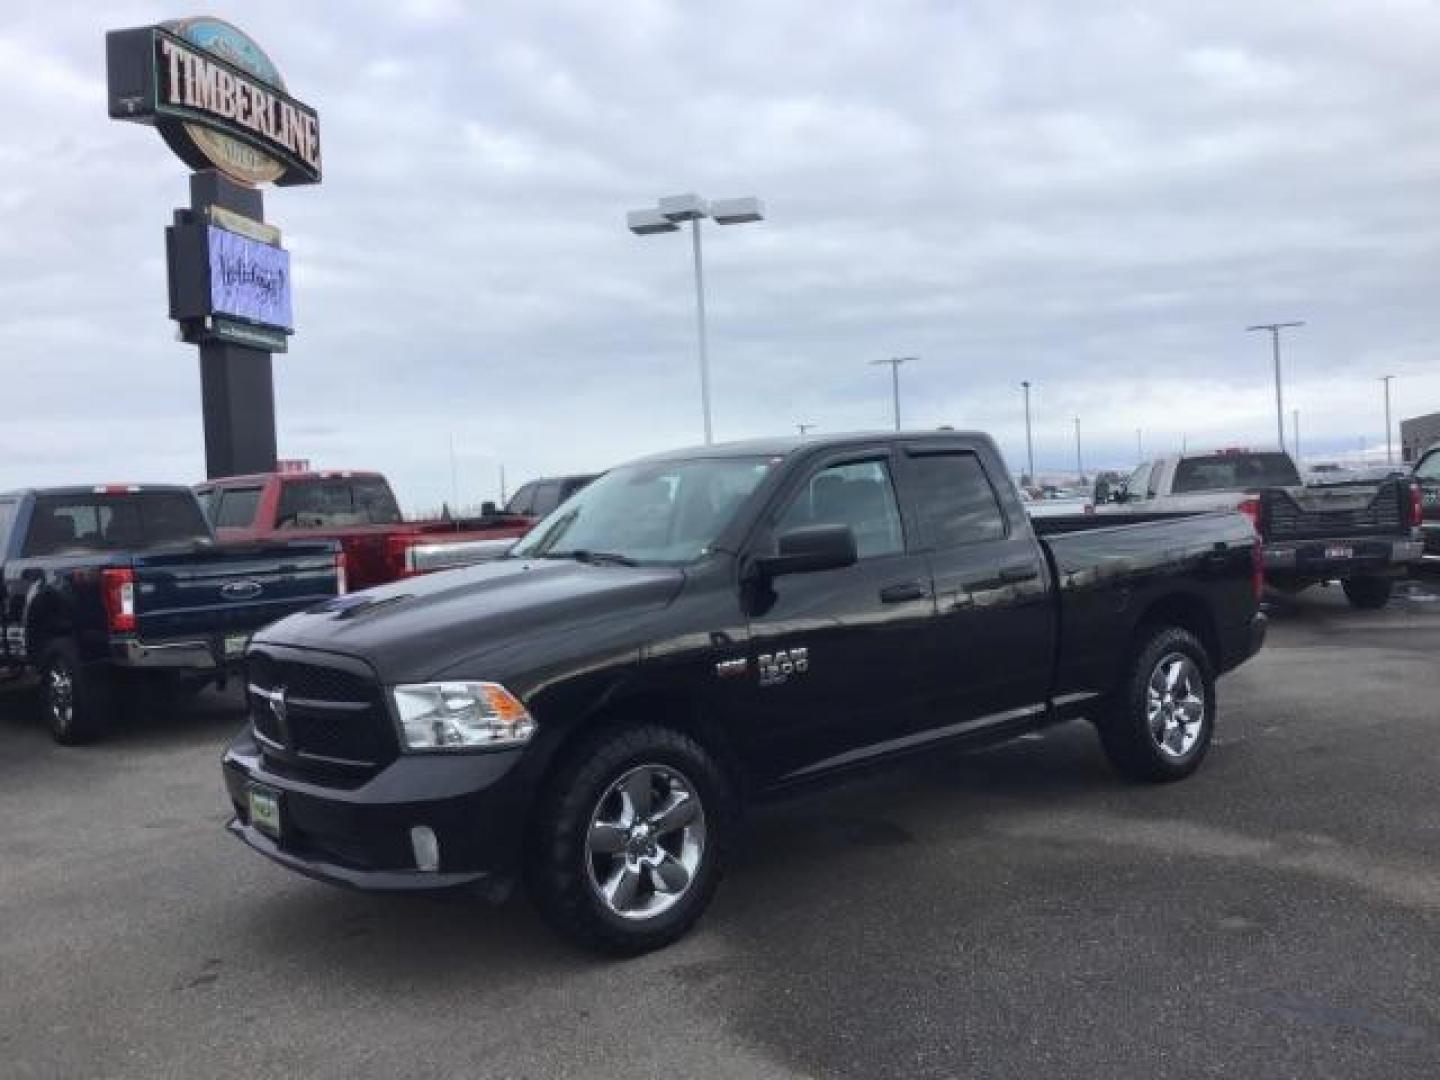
1368, 593
76, 699
1161, 749
564, 875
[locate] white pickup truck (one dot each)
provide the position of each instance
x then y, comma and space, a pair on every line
1366, 533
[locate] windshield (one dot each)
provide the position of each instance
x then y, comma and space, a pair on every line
1234, 472
666, 512
330, 503
77, 524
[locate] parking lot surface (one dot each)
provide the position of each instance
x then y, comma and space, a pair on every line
1018, 912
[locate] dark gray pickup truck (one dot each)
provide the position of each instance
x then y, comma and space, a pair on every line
702, 628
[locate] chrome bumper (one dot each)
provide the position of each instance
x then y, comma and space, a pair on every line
164, 655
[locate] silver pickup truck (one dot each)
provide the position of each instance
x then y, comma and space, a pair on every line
1365, 533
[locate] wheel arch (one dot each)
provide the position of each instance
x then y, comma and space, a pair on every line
1188, 612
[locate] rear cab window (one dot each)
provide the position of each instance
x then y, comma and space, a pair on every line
330, 502
1240, 471
132, 521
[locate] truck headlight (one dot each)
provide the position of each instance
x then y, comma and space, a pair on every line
460, 715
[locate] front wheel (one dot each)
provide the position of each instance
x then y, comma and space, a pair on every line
630, 838
1159, 724
1368, 593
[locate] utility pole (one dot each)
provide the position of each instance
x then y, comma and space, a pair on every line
1079, 463
454, 474
1139, 446
1389, 447
1029, 441
503, 498
895, 362
1274, 329
1295, 435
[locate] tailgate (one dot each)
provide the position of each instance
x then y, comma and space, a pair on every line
1335, 513
232, 589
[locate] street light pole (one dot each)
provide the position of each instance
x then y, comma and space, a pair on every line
895, 362
1029, 442
1274, 329
666, 217
1295, 434
700, 329
1079, 463
1139, 446
804, 429
1389, 447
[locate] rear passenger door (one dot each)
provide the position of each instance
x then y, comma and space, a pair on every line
991, 655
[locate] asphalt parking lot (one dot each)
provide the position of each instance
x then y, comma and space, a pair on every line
1013, 913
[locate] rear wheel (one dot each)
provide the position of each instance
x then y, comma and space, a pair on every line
76, 699
630, 838
1368, 593
1159, 724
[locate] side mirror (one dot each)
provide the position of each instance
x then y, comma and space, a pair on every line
811, 548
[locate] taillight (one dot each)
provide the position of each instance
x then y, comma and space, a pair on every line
400, 554
341, 585
119, 591
1251, 509
1417, 504
1257, 569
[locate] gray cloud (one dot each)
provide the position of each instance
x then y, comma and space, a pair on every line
1096, 200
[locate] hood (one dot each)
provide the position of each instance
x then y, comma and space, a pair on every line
412, 629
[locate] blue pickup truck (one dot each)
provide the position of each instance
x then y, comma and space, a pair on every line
106, 589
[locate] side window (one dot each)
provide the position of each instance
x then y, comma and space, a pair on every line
955, 500
1428, 469
1135, 487
860, 495
521, 501
236, 509
1152, 488
547, 497
7, 515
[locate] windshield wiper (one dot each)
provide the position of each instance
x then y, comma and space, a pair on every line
593, 558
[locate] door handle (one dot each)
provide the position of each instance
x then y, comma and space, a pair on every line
902, 591
1013, 575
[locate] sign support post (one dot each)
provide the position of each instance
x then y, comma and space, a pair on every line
236, 381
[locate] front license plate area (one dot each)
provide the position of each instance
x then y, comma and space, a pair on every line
265, 810
235, 645
1339, 551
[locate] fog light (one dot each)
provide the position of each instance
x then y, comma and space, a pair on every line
426, 847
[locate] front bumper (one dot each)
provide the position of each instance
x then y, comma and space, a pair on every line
1320, 560
359, 834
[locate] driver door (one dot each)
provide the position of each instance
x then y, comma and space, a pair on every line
835, 655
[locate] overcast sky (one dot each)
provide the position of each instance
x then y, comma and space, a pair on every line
1098, 201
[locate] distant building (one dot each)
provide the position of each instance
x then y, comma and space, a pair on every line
1417, 434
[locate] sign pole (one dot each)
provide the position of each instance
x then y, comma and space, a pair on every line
236, 381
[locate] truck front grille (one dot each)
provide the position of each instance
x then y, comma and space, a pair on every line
314, 717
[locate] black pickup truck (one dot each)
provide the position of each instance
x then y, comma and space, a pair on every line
698, 629
1427, 476
112, 588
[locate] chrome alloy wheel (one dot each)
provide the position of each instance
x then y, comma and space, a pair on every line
646, 840
1175, 705
60, 696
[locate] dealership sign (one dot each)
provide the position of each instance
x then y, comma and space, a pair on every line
216, 98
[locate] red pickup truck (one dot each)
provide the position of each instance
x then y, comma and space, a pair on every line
356, 508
